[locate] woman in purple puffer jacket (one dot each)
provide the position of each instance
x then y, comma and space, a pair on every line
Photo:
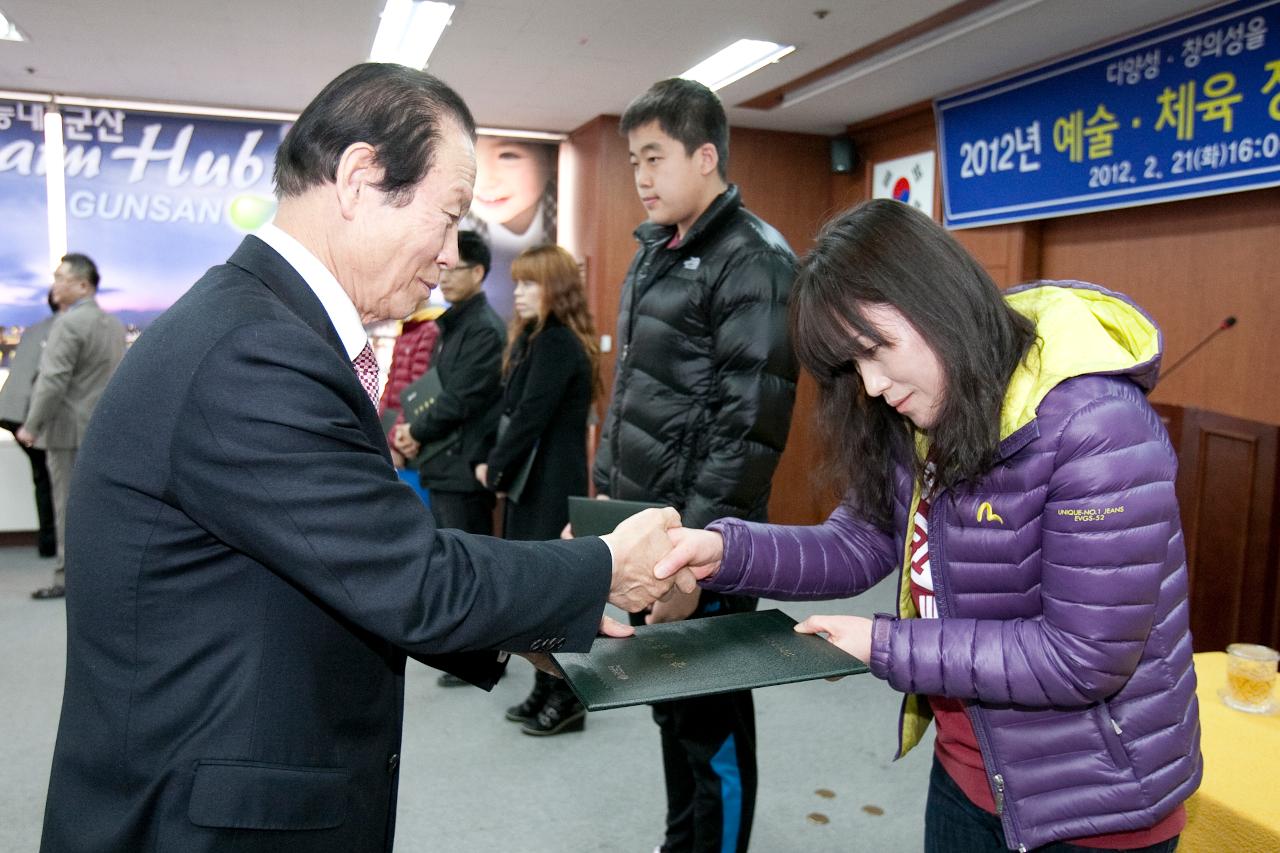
998, 451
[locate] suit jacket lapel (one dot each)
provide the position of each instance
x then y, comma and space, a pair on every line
265, 264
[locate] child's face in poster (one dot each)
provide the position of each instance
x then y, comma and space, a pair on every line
510, 178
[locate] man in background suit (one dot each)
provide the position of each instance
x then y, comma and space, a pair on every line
246, 571
15, 402
85, 345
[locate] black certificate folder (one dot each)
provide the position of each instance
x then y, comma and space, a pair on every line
591, 517
700, 657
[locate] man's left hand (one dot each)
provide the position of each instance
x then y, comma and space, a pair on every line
25, 437
542, 661
610, 627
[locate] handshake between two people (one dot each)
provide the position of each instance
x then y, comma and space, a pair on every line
655, 559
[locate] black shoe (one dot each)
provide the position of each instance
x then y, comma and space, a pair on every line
562, 713
448, 679
55, 591
528, 710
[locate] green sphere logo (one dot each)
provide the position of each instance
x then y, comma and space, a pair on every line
250, 211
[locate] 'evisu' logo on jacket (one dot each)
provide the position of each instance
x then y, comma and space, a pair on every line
986, 513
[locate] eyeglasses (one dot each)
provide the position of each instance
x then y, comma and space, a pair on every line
458, 268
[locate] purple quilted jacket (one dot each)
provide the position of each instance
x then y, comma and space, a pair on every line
1060, 579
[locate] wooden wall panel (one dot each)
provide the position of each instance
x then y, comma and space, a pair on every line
605, 211
1009, 253
784, 177
1190, 264
899, 134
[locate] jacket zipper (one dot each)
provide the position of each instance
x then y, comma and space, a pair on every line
638, 284
937, 535
620, 395
1115, 745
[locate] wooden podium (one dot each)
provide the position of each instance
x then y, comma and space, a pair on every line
1228, 472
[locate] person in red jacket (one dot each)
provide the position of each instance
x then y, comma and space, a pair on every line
410, 358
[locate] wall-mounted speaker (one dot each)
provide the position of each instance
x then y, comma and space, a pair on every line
843, 156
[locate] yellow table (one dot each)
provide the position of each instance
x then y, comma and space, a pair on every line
1237, 808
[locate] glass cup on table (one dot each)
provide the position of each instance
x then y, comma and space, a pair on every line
1251, 675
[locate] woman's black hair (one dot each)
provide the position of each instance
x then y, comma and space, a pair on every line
887, 253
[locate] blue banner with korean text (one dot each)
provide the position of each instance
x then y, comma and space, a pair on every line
24, 220
157, 199
1187, 109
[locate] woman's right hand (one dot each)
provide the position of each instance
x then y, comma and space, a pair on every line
700, 551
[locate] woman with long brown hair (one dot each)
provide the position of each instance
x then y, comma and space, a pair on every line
1001, 457
551, 375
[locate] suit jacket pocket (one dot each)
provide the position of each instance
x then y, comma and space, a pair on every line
255, 795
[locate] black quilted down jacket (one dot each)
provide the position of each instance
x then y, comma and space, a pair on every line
705, 376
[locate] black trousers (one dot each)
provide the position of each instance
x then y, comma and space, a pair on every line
709, 760
471, 512
47, 541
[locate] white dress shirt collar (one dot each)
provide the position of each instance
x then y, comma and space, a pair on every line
341, 310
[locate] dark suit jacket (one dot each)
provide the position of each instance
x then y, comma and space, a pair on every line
245, 575
468, 359
547, 395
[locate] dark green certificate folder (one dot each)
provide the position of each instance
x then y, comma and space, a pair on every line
417, 398
699, 657
420, 395
591, 517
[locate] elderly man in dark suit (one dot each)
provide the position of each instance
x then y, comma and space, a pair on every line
246, 572
85, 344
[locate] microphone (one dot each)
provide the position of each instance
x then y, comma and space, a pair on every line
1227, 323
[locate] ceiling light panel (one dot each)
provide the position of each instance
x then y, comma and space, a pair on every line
408, 31
736, 61
9, 30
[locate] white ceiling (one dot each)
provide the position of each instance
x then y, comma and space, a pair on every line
544, 65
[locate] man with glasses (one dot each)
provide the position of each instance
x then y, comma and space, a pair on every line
468, 360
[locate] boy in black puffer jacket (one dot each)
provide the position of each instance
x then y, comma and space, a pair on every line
700, 411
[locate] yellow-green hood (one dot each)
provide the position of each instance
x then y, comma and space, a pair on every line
1082, 329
